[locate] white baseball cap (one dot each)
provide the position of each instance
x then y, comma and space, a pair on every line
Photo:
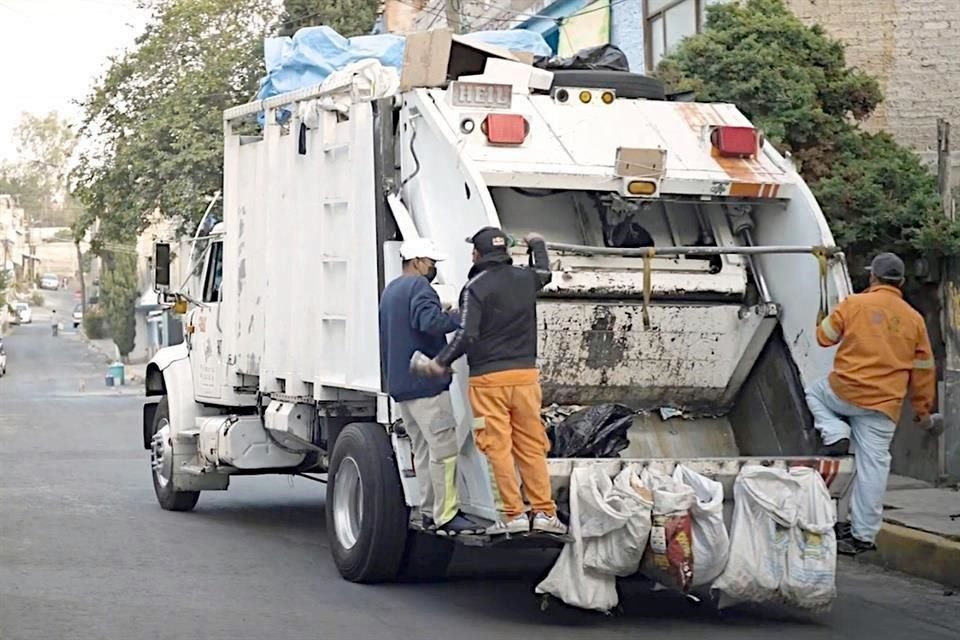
421, 248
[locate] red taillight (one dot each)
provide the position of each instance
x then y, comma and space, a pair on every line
505, 128
735, 141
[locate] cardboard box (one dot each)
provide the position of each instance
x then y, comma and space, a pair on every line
640, 163
432, 58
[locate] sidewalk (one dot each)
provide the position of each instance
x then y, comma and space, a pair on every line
919, 536
134, 373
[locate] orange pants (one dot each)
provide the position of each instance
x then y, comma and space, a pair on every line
509, 431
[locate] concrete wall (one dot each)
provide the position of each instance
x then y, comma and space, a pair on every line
57, 257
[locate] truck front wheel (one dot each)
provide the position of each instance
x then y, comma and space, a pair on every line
367, 518
161, 461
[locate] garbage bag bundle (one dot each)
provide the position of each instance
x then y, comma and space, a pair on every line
810, 579
616, 521
711, 542
610, 524
670, 557
604, 57
570, 580
782, 543
595, 432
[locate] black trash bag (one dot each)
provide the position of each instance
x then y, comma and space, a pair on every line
594, 432
604, 57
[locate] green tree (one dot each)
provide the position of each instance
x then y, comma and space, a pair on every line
45, 145
154, 120
346, 17
119, 297
4, 285
793, 82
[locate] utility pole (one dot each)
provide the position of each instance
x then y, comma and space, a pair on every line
453, 9
949, 444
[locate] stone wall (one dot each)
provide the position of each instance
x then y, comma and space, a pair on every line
912, 47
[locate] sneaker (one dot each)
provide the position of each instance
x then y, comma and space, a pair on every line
519, 524
548, 524
852, 546
839, 448
459, 525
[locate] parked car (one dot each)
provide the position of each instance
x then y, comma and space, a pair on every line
50, 281
23, 313
3, 359
77, 316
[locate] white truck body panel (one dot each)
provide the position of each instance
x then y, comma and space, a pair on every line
296, 317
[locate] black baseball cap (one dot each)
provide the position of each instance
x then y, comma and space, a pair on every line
490, 240
887, 267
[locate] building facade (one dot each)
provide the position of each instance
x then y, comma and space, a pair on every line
16, 259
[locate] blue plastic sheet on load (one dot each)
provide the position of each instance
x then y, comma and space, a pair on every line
313, 53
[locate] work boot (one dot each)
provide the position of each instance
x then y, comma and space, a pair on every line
518, 524
843, 530
839, 448
459, 525
852, 546
548, 524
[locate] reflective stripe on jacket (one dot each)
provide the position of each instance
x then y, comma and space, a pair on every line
884, 350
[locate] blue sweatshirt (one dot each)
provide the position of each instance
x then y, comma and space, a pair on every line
411, 319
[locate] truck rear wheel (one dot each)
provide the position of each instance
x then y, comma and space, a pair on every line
161, 462
366, 515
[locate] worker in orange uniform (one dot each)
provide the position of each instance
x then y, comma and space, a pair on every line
498, 334
883, 350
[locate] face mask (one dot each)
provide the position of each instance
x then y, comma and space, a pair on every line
431, 273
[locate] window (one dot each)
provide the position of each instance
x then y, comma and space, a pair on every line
211, 284
666, 23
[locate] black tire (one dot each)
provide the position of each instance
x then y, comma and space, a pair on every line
169, 498
426, 558
375, 551
624, 83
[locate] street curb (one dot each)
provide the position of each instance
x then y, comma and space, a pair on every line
917, 553
130, 377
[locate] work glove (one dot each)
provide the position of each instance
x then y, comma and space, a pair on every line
932, 424
532, 238
421, 365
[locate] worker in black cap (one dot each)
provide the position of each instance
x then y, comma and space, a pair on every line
498, 314
883, 351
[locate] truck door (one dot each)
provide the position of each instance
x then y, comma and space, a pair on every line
207, 337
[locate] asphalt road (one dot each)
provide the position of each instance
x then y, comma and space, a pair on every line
86, 553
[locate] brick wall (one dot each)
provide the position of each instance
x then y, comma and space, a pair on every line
913, 48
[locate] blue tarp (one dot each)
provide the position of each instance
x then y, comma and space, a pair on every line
313, 53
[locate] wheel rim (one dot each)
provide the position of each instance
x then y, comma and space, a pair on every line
348, 503
161, 454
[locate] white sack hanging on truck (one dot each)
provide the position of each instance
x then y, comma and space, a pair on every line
670, 557
711, 543
616, 521
782, 547
569, 580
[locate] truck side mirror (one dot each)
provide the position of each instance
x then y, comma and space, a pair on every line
161, 266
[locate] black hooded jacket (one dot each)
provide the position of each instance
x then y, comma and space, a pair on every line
498, 313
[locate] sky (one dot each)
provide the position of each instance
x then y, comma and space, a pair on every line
52, 52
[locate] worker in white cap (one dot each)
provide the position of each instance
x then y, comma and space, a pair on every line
412, 320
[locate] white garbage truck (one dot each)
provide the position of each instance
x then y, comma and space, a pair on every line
690, 263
